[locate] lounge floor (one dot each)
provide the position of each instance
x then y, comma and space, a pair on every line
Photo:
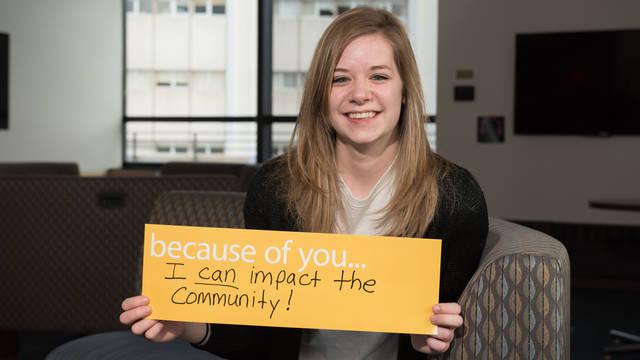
594, 313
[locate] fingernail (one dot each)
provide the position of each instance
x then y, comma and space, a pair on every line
436, 308
147, 309
432, 318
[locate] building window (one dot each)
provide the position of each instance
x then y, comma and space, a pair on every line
138, 6
182, 8
200, 7
163, 6
218, 7
342, 9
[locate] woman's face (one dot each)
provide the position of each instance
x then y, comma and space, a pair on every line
366, 95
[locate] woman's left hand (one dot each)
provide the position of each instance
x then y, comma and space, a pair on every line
447, 317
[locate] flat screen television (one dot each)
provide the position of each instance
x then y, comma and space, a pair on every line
578, 83
4, 81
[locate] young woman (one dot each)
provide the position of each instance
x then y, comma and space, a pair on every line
361, 165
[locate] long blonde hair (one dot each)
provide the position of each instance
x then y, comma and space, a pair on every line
311, 184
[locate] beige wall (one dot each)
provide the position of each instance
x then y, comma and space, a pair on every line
529, 177
65, 82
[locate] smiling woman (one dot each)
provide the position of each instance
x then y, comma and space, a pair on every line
362, 64
361, 165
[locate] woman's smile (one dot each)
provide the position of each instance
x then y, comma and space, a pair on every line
361, 117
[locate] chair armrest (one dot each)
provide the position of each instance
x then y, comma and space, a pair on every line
517, 302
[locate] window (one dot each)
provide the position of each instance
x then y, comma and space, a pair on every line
286, 80
163, 6
137, 6
218, 7
182, 8
342, 9
177, 81
208, 7
192, 73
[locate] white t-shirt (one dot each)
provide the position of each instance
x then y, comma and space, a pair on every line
359, 219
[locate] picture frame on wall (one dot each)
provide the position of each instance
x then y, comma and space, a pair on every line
490, 129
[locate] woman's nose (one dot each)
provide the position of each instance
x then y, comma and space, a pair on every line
360, 92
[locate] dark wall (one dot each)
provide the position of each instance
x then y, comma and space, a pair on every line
601, 256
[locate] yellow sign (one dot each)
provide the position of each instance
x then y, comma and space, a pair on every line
291, 279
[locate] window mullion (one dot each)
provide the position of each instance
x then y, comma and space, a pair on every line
265, 74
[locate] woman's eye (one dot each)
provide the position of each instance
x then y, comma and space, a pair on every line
339, 79
379, 77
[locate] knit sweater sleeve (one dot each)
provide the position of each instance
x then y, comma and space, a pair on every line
461, 222
265, 208
464, 223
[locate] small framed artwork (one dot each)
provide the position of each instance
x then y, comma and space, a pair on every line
464, 93
491, 129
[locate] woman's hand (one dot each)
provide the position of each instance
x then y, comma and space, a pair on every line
136, 309
447, 317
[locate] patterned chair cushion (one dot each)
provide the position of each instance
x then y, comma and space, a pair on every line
516, 306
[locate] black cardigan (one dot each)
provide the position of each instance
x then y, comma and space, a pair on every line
460, 221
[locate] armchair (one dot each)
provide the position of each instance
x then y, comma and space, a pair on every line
244, 172
516, 305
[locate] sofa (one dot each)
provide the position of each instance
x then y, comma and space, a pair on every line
39, 168
70, 246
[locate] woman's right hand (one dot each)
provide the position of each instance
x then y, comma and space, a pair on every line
136, 309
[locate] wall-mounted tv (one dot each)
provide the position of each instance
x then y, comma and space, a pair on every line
4, 81
578, 83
